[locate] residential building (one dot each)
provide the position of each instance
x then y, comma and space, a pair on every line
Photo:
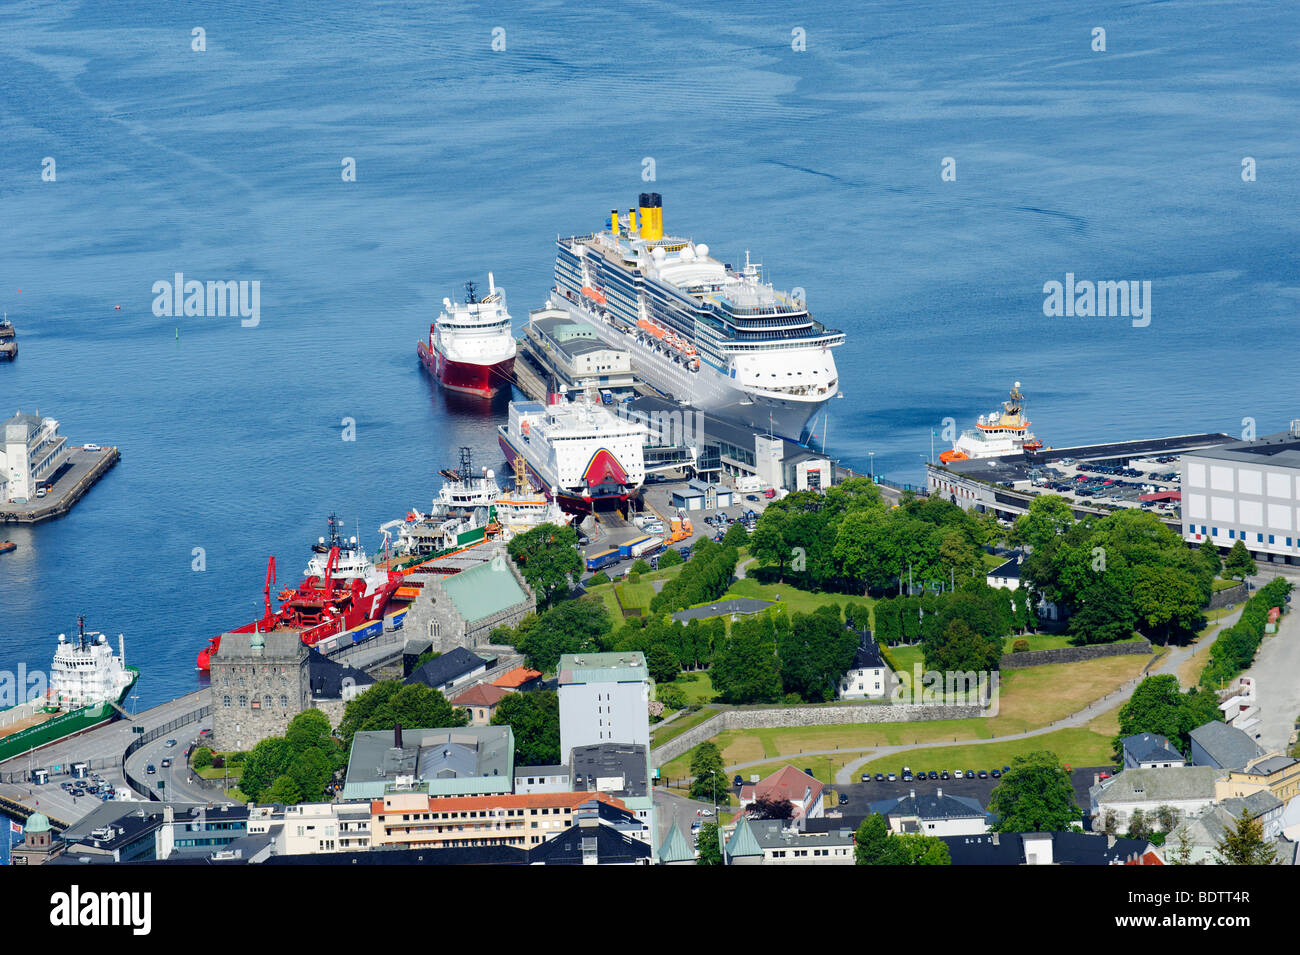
1199, 837
1222, 746
1274, 772
589, 841
519, 680
461, 761
933, 814
480, 702
867, 676
1246, 491
413, 819
1045, 848
1185, 789
803, 791
542, 779
32, 452
1150, 751
451, 671
772, 842
313, 828
1006, 574
604, 698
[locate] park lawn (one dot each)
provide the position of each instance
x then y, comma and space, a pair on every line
636, 596
1220, 584
1077, 746
904, 659
699, 690
992, 561
794, 599
606, 593
1037, 696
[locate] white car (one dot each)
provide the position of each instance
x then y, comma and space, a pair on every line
956, 774
706, 812
91, 447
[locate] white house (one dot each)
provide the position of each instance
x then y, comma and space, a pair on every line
1186, 789
32, 451
933, 814
1150, 751
867, 675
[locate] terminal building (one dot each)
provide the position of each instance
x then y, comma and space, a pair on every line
574, 355
1246, 491
32, 453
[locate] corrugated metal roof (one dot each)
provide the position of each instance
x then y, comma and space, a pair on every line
483, 590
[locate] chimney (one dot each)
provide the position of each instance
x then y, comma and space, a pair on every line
996, 840
1110, 840
397, 736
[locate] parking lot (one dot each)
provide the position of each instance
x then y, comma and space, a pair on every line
1121, 485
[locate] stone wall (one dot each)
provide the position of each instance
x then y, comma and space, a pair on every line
256, 691
1231, 595
1038, 658
774, 717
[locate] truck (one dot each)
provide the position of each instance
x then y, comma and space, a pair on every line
647, 546
627, 548
682, 529
603, 559
607, 396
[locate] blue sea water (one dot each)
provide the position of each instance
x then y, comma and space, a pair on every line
823, 162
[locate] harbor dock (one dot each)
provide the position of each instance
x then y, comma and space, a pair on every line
81, 472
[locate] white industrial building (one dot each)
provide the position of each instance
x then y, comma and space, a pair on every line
32, 451
603, 699
1246, 491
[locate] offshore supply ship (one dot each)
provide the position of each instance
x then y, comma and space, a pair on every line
997, 433
581, 455
460, 515
721, 340
87, 685
471, 346
342, 592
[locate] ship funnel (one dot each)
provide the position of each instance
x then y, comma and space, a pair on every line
492, 285
631, 222
613, 222
652, 216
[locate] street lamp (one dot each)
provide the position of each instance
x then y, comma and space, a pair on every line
872, 456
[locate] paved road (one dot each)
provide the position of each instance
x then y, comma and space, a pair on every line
670, 808
1277, 684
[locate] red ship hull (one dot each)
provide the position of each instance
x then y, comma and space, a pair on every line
482, 380
354, 610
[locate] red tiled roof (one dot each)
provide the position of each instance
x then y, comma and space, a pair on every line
789, 783
516, 677
480, 695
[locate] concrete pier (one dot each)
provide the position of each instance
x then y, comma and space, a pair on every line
86, 467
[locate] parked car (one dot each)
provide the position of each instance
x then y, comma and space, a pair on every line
844, 799
984, 774
956, 774
944, 774
706, 812
892, 778
880, 777
40, 492
934, 774
738, 781
170, 743
751, 497
996, 774
91, 447
866, 777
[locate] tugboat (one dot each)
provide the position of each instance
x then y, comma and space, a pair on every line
342, 592
996, 434
461, 514
87, 686
471, 347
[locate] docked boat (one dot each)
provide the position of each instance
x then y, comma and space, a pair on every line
581, 455
721, 340
997, 433
7, 546
342, 592
460, 516
471, 346
87, 684
523, 507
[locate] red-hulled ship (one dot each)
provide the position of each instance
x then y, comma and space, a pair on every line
342, 591
471, 347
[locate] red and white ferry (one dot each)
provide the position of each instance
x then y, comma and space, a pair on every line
471, 346
342, 592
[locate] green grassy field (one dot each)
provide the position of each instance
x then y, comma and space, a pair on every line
793, 599
698, 690
680, 725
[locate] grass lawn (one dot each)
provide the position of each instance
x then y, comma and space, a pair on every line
698, 690
680, 725
1075, 747
636, 596
1220, 584
793, 599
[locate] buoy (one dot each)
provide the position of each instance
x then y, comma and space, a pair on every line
117, 308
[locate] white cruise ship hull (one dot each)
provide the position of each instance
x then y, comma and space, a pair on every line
707, 390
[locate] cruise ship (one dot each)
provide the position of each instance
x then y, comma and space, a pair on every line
721, 340
471, 346
581, 455
997, 433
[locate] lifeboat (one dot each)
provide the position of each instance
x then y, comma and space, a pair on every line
594, 294
947, 456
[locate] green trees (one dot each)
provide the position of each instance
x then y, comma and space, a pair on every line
1244, 844
1049, 516
295, 767
202, 758
874, 844
1035, 795
573, 626
1239, 564
707, 845
961, 648
389, 702
1234, 649
662, 663
669, 558
737, 535
709, 782
548, 558
1159, 706
534, 718
1105, 613
705, 578
815, 651
745, 669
